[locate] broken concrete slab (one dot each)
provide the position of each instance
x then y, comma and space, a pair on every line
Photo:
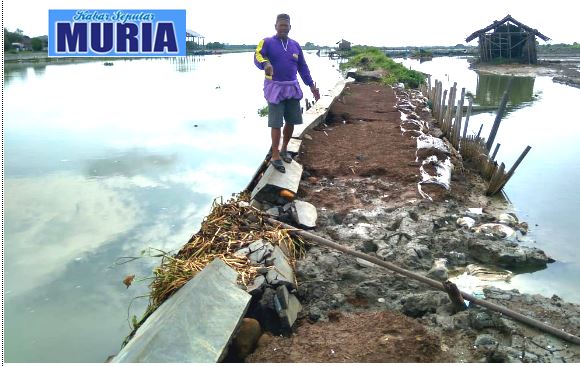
304, 214
290, 314
294, 146
282, 272
271, 186
256, 287
288, 306
259, 250
195, 324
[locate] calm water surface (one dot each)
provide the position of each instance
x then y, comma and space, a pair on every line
105, 162
544, 189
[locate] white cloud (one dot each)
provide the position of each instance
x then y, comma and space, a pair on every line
51, 221
423, 22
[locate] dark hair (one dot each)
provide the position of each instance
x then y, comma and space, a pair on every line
283, 17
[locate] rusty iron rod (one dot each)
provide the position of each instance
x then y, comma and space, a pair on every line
436, 284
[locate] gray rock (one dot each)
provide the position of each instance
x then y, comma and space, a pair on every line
507, 254
304, 214
461, 320
314, 313
366, 76
417, 305
457, 259
482, 319
439, 271
352, 274
485, 340
386, 254
368, 290
339, 298
421, 250
327, 262
307, 270
369, 246
365, 263
282, 273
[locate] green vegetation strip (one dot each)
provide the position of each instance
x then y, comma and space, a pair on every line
371, 58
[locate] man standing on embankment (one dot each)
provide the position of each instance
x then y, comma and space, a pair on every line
281, 58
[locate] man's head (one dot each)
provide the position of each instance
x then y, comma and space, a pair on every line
282, 25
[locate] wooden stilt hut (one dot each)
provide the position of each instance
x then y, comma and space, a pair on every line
508, 39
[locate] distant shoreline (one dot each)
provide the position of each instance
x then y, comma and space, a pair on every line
42, 57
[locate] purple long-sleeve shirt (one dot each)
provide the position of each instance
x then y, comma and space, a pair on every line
287, 59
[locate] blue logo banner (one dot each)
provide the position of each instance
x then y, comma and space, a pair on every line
116, 33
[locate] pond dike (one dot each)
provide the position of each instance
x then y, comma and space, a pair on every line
368, 173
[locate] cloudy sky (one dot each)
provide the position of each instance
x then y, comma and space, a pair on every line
416, 23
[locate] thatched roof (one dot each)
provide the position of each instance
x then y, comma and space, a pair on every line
497, 23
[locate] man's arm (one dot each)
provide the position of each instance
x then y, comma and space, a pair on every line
260, 59
304, 72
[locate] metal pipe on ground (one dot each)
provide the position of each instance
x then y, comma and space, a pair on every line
438, 285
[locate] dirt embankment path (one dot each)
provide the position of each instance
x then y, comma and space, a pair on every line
362, 176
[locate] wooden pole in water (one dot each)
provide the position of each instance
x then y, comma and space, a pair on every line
509, 174
450, 106
467, 116
495, 180
517, 163
458, 118
495, 151
442, 110
479, 132
436, 100
498, 117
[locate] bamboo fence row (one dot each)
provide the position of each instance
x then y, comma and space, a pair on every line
473, 148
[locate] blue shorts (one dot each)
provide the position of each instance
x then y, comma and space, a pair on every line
287, 110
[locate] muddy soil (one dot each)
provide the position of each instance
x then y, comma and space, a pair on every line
362, 175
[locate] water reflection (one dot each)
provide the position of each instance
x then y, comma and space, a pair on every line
130, 164
186, 63
491, 87
117, 168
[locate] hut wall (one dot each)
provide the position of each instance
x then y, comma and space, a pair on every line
509, 42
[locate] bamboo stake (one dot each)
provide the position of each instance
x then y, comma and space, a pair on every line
498, 117
467, 116
442, 110
495, 151
458, 117
479, 132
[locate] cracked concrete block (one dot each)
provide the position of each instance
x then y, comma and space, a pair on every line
257, 285
282, 272
272, 183
259, 250
195, 324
